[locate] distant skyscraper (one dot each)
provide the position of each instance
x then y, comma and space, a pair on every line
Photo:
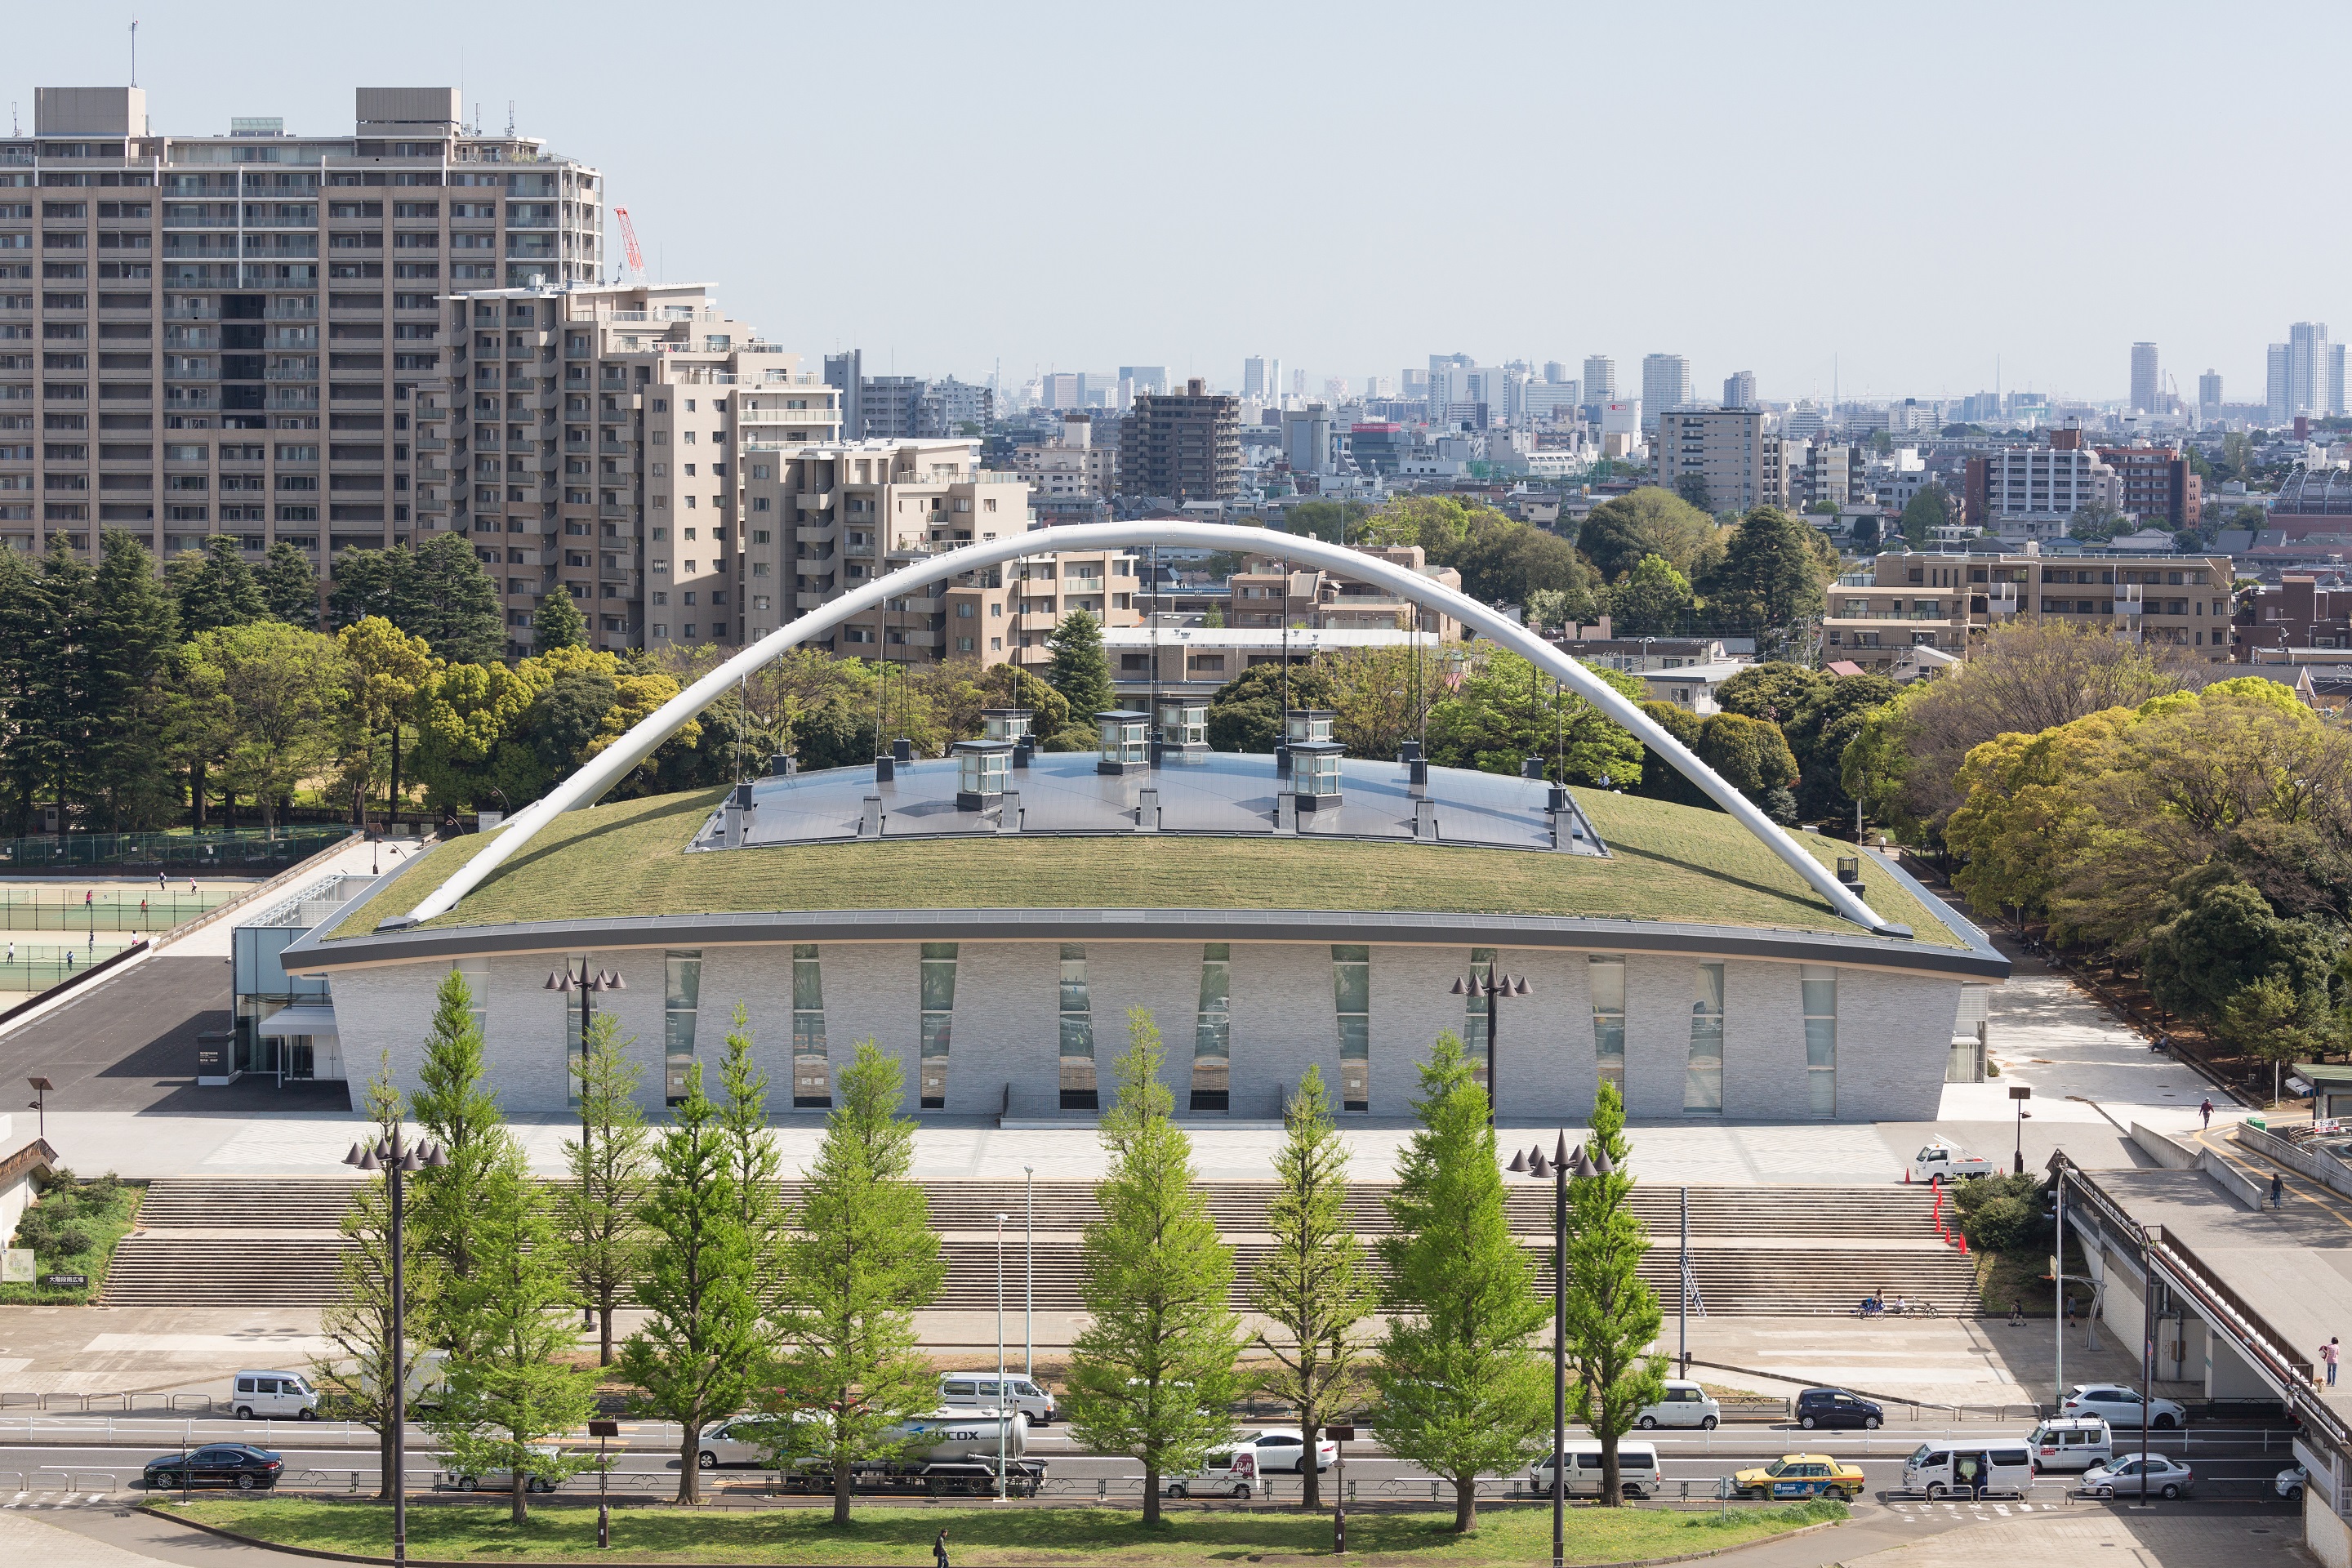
2278, 385
2335, 378
1665, 384
2208, 396
1555, 372
846, 371
1298, 382
1739, 389
1254, 381
1600, 379
2144, 386
2307, 368
1146, 377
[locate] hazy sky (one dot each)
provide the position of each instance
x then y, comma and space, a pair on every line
1907, 191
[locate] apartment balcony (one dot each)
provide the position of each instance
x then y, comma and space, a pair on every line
1877, 616
812, 601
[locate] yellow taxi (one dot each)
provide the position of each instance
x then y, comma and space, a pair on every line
1800, 1476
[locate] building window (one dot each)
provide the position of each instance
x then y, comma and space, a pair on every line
1473, 1013
1078, 1032
1820, 983
939, 1013
1608, 977
477, 975
1212, 1030
1703, 1078
1351, 996
811, 1072
569, 1003
682, 987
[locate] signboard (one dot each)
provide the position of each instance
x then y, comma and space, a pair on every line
66, 1281
16, 1265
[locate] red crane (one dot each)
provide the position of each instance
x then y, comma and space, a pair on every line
629, 244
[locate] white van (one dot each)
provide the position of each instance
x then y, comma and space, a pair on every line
2071, 1443
273, 1396
1963, 1469
1684, 1403
980, 1391
1228, 1473
1637, 1470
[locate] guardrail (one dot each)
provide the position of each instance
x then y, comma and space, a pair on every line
2327, 1170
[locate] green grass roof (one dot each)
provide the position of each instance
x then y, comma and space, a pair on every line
1668, 863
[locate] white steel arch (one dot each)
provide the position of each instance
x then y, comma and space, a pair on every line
608, 766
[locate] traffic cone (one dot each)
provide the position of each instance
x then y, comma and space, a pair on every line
1906, 1176
1963, 1245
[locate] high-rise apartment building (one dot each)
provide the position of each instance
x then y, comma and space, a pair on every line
246, 334
2208, 396
1262, 380
2157, 484
1665, 384
2278, 394
1185, 445
2034, 492
1720, 460
1068, 465
2307, 356
1555, 373
1600, 379
891, 408
1307, 439
1144, 377
846, 373
2145, 389
1739, 389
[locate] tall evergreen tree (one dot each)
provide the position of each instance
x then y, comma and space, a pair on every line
1152, 1372
123, 772
213, 587
30, 660
508, 1390
289, 586
557, 623
1079, 671
66, 709
456, 603
457, 1108
1768, 578
1463, 1384
704, 1350
862, 1261
1612, 1313
752, 1162
1313, 1285
597, 1210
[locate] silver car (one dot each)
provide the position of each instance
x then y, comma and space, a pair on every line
2126, 1475
742, 1440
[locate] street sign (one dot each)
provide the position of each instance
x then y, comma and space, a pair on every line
16, 1265
66, 1281
1339, 1434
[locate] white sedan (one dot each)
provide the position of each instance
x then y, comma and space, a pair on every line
1284, 1448
2126, 1475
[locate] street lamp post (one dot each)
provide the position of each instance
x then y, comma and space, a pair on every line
1029, 1271
1001, 1422
586, 982
602, 1431
2019, 1094
1558, 1168
396, 1158
1491, 985
40, 1105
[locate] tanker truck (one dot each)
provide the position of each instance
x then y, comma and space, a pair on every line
949, 1452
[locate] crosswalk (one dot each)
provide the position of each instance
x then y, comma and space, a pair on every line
61, 1499
1952, 1510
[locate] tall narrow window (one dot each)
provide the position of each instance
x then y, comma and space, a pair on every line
1078, 1032
1608, 976
569, 1000
939, 1013
812, 1071
1351, 996
1820, 983
1703, 1081
1473, 1013
682, 992
1212, 1030
477, 971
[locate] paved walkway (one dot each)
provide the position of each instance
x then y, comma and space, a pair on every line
51, 1542
2085, 1536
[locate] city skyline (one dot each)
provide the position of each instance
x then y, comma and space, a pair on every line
963, 272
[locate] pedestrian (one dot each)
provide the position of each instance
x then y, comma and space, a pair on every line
2278, 1190
161, 886
940, 1550
2327, 1354
2206, 1111
2017, 1313
192, 887
12, 953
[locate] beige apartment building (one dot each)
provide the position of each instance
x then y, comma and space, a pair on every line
1947, 602
1070, 463
1724, 453
246, 334
1271, 592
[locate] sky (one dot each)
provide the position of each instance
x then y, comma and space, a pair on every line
1894, 200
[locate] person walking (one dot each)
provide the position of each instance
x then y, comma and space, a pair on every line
940, 1550
2206, 1111
2278, 1190
2017, 1312
2327, 1354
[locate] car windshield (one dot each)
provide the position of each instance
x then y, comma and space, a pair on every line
1777, 1468
1919, 1453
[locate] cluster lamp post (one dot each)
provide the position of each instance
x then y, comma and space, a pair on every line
1490, 985
396, 1158
1583, 1164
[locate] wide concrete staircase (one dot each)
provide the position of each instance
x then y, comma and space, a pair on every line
273, 1242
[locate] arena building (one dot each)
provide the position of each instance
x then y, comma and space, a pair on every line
993, 917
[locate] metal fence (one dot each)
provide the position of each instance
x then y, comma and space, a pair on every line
32, 909
238, 852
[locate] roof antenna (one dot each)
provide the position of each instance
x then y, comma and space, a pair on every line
510, 108
134, 54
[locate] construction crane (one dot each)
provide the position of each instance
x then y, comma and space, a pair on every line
637, 273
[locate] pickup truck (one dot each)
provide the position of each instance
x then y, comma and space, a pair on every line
1942, 1162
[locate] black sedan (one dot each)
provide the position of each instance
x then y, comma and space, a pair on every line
238, 1465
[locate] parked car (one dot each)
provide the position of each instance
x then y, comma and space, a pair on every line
2119, 1406
743, 1440
1942, 1162
1637, 1470
238, 1465
1283, 1448
1228, 1473
980, 1391
1836, 1407
2071, 1443
2165, 1478
502, 1479
2289, 1483
1936, 1469
273, 1395
1684, 1403
1801, 1476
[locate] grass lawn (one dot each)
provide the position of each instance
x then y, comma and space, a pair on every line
101, 1213
1516, 1535
1669, 863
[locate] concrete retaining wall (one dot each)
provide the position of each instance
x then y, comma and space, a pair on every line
2328, 1172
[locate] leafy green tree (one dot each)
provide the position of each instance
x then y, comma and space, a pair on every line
1660, 779
596, 1211
1079, 671
31, 656
457, 1108
1774, 690
213, 587
704, 1351
1624, 529
1925, 512
283, 686
1692, 487
1463, 1385
567, 718
289, 588
557, 623
1506, 709
752, 1162
1612, 1313
863, 1260
2273, 1020
388, 671
1655, 600
1331, 521
1245, 712
508, 1387
2227, 940
1315, 1284
1819, 735
438, 592
1749, 754
1010, 686
1503, 560
359, 1369
1378, 693
1152, 1372
1768, 577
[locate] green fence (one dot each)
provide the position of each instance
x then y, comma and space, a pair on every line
258, 852
33, 908
30, 968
